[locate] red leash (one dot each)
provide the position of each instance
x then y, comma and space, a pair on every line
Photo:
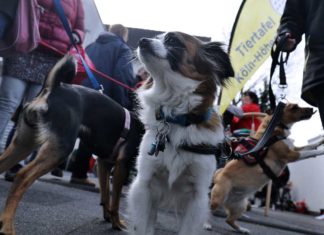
46, 45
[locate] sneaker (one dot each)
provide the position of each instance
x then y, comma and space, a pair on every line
57, 172
11, 173
85, 182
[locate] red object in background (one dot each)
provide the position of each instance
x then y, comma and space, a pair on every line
246, 122
92, 163
301, 207
81, 73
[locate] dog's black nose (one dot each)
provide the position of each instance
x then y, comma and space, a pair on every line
144, 42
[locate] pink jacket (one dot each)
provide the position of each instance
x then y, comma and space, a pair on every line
51, 28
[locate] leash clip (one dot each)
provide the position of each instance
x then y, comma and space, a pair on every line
101, 90
282, 92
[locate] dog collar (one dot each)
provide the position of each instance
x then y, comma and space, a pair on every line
184, 119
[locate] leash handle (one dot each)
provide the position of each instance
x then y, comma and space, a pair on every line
278, 58
62, 16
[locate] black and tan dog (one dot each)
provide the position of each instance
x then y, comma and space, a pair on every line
234, 183
53, 121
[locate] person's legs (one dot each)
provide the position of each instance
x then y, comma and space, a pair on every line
11, 94
32, 90
28, 93
81, 165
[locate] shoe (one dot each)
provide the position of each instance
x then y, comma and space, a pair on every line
11, 173
85, 182
57, 172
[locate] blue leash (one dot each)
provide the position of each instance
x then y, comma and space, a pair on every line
61, 14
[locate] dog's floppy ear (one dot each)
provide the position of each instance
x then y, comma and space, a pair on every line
219, 60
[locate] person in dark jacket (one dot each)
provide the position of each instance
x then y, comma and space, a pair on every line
7, 14
111, 55
307, 17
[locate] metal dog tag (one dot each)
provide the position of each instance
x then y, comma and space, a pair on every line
160, 139
160, 144
153, 148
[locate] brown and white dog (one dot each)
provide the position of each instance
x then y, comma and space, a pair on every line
178, 118
51, 124
234, 183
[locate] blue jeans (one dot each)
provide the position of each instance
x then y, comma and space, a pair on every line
13, 92
4, 23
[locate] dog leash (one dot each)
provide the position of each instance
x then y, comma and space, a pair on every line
277, 56
61, 14
268, 132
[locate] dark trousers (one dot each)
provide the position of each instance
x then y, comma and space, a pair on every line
320, 105
80, 165
4, 23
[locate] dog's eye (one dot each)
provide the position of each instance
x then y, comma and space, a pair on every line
171, 41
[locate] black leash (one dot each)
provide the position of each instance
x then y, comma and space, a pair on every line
278, 58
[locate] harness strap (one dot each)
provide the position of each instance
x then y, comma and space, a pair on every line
266, 169
268, 132
221, 150
203, 149
124, 132
260, 160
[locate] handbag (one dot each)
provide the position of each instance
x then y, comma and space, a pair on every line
23, 35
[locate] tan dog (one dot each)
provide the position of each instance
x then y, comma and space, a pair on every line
234, 183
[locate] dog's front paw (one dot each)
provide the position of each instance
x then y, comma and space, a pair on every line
244, 230
119, 225
117, 222
208, 226
6, 230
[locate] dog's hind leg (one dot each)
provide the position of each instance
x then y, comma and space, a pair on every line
104, 184
235, 211
119, 177
218, 195
49, 156
22, 144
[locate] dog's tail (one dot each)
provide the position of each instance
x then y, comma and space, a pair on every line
63, 71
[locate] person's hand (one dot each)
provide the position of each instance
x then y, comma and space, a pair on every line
76, 38
290, 42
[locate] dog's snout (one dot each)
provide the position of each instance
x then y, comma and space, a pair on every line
144, 42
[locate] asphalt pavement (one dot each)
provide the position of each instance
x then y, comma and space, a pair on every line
54, 206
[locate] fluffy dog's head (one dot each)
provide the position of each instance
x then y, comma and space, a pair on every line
185, 54
184, 63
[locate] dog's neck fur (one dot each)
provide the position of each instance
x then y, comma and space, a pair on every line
282, 130
179, 95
